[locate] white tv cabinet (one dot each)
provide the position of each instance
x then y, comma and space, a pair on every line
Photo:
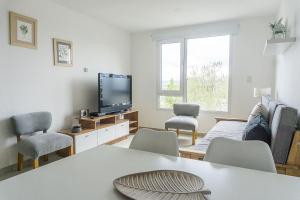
107, 129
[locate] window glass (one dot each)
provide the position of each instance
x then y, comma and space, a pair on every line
170, 66
208, 72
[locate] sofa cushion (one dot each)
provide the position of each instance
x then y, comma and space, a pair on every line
265, 100
182, 122
283, 127
258, 110
272, 108
228, 129
42, 144
258, 129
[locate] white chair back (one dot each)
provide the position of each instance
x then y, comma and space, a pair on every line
247, 154
162, 142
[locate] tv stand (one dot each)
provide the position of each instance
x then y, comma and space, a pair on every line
107, 129
96, 114
117, 112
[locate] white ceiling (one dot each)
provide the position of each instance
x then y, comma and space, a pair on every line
140, 15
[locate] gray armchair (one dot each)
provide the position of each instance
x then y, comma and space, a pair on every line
185, 119
37, 145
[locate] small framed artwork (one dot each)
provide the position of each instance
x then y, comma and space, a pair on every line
23, 30
63, 53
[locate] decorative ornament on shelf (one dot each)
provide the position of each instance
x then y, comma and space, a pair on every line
279, 30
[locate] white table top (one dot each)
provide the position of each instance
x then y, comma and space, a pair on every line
89, 175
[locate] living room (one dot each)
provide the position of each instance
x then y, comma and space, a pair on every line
183, 68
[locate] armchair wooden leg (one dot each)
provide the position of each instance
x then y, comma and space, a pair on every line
70, 150
177, 131
193, 137
35, 163
20, 161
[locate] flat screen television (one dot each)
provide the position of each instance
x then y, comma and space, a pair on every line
114, 93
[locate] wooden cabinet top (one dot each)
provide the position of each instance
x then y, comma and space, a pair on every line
97, 119
84, 131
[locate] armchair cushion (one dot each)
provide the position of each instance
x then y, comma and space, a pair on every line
182, 122
32, 122
186, 109
42, 144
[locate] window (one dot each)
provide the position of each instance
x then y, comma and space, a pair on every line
166, 102
171, 66
200, 75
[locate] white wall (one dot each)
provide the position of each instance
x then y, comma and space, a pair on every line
29, 81
248, 61
288, 64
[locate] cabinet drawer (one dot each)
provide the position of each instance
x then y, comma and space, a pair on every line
122, 129
85, 141
106, 135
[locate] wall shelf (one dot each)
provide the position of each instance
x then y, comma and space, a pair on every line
278, 46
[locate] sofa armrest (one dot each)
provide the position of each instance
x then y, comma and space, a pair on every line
218, 119
294, 154
298, 155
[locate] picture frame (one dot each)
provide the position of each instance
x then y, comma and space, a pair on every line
23, 30
63, 52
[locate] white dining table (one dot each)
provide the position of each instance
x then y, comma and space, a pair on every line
89, 176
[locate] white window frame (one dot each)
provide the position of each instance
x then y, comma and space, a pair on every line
183, 70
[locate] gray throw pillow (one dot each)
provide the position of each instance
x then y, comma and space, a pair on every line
258, 109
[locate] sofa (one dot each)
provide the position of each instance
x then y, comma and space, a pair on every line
285, 139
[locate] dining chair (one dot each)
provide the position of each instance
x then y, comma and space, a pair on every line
33, 144
247, 154
162, 142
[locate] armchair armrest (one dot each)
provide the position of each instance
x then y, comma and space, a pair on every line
218, 119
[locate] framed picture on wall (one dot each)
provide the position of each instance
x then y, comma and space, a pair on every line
23, 30
63, 53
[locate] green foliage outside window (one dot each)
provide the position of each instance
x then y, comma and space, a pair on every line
168, 101
206, 85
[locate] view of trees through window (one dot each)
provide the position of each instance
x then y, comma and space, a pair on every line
207, 75
208, 87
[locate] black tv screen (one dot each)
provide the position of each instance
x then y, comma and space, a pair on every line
114, 92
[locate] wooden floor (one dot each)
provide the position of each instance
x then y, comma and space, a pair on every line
8, 173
